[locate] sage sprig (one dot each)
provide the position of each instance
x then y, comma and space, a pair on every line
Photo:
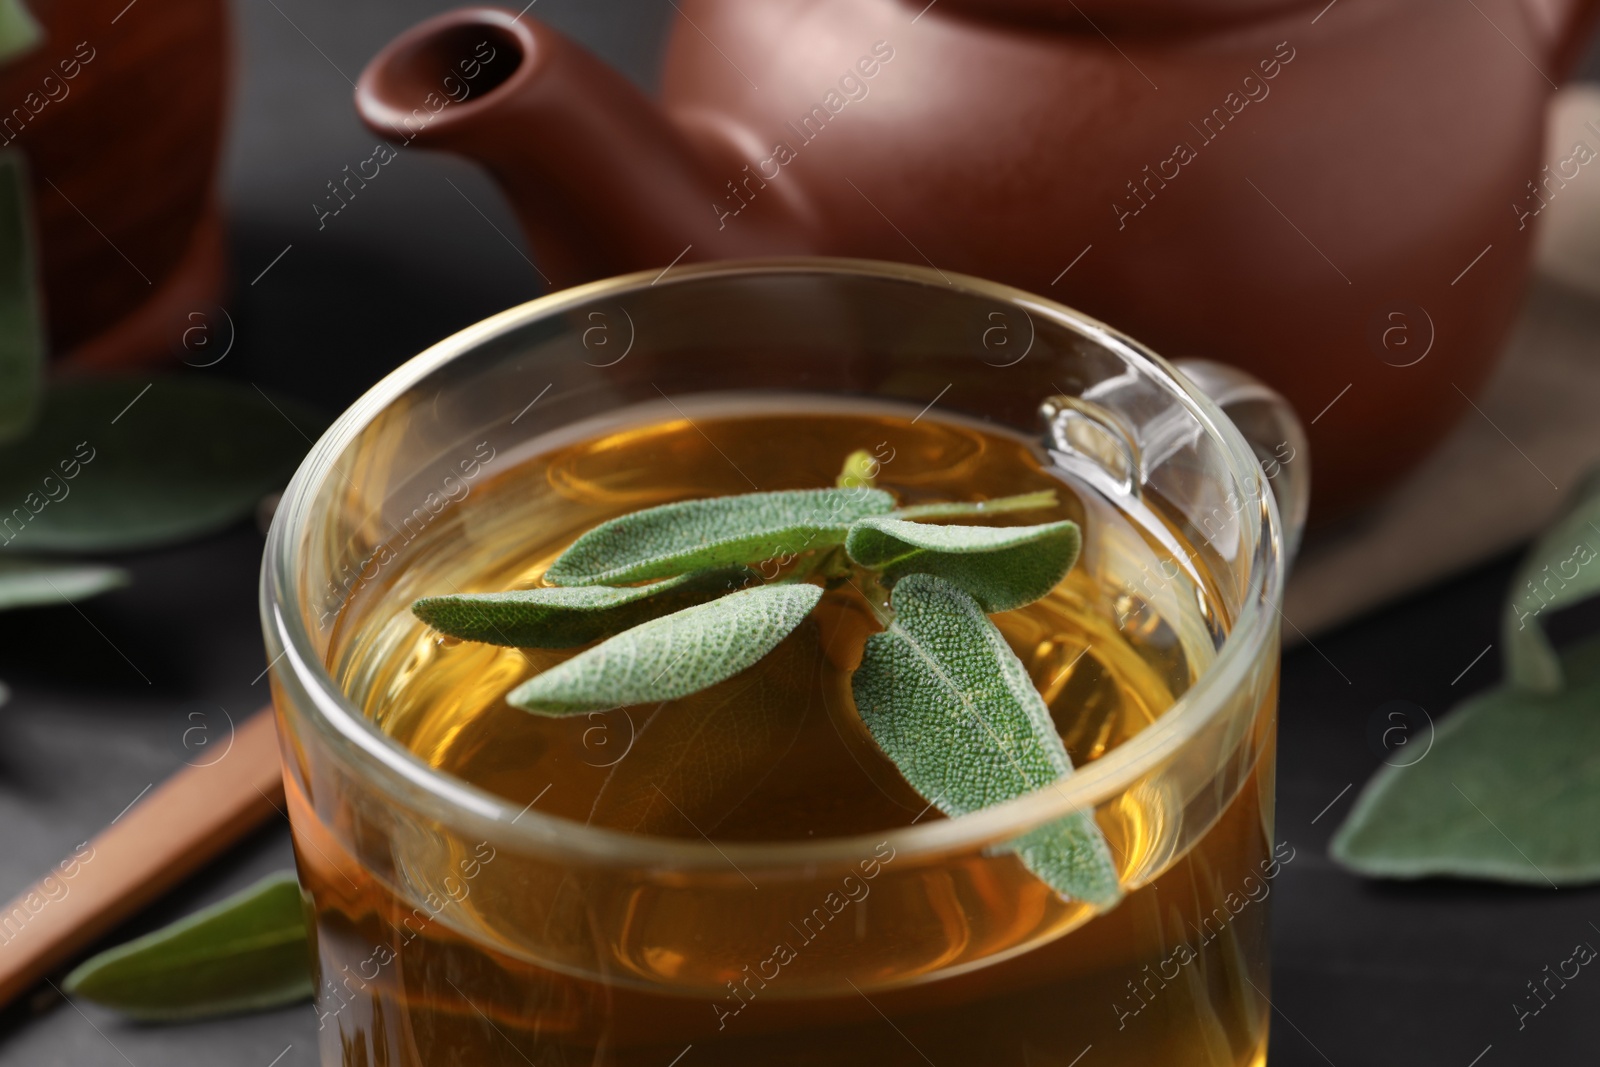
939, 690
695, 534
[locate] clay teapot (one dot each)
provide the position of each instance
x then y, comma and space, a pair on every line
123, 157
1338, 197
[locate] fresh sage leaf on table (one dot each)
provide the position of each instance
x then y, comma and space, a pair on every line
1002, 567
1510, 789
21, 316
696, 534
949, 702
246, 953
117, 464
671, 656
27, 583
568, 616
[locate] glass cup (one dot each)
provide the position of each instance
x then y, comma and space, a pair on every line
454, 927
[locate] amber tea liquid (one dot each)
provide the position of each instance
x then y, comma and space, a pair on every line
476, 954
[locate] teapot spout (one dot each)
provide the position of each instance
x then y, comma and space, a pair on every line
601, 180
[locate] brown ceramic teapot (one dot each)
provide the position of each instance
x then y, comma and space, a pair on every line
1337, 196
119, 111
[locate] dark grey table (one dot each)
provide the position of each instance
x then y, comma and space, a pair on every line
1364, 973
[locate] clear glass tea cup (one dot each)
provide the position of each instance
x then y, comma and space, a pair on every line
454, 926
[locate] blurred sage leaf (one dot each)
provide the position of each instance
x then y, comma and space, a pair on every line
695, 535
1001, 567
1044, 498
671, 656
1510, 791
1559, 571
569, 616
22, 341
19, 30
116, 464
950, 703
27, 583
246, 953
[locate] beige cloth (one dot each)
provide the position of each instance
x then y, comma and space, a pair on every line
1499, 477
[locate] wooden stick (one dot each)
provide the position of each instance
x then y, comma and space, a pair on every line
153, 846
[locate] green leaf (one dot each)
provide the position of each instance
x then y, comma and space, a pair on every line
1044, 498
568, 616
245, 953
860, 471
1002, 567
1510, 791
19, 30
111, 465
696, 534
672, 656
949, 702
1562, 569
21, 318
26, 583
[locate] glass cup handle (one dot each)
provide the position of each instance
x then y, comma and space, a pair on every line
1272, 430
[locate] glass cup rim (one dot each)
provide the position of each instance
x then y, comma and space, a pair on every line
380, 760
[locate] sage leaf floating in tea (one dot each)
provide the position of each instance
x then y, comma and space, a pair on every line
940, 691
1510, 789
696, 534
949, 702
672, 656
568, 616
246, 953
1001, 567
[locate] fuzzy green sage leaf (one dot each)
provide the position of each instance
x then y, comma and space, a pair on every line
1509, 791
569, 616
672, 656
1002, 567
245, 953
949, 702
695, 535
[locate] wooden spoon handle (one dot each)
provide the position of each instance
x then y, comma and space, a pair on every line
147, 850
